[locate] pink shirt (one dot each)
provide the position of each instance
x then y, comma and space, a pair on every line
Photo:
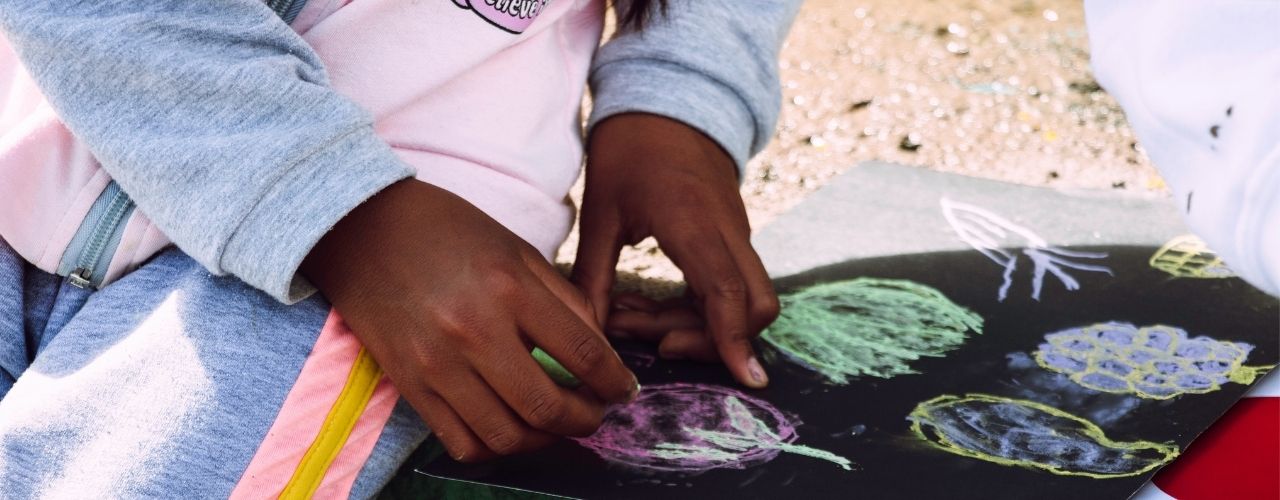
482, 98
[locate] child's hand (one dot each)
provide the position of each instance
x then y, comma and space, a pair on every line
652, 176
450, 303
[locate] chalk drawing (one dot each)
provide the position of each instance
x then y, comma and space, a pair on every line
1189, 257
693, 428
1031, 435
868, 326
990, 234
1028, 380
1154, 362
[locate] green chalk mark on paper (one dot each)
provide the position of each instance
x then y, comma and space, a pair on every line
868, 326
554, 369
751, 433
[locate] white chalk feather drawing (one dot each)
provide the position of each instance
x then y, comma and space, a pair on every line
994, 236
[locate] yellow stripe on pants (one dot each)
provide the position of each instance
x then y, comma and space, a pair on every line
361, 382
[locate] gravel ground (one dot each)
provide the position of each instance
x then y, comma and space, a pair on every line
987, 88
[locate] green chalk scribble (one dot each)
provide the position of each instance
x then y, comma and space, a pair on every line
868, 326
751, 433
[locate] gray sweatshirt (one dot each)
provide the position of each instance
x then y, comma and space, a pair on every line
218, 120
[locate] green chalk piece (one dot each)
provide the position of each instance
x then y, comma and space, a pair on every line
555, 369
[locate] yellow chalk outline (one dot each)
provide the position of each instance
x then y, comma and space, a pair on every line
1188, 256
1237, 373
920, 414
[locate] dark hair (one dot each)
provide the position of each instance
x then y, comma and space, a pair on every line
638, 12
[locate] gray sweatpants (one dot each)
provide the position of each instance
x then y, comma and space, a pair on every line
178, 384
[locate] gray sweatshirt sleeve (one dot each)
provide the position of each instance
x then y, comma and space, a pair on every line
712, 64
217, 120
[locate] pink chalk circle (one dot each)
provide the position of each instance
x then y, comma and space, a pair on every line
691, 428
513, 16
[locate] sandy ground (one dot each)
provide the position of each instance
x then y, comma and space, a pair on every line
999, 89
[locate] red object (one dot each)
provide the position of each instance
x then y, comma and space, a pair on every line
1237, 458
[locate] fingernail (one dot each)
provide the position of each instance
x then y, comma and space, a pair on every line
756, 371
635, 392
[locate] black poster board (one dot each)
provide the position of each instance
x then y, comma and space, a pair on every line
866, 420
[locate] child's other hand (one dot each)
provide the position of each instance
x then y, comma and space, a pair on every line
652, 176
450, 303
